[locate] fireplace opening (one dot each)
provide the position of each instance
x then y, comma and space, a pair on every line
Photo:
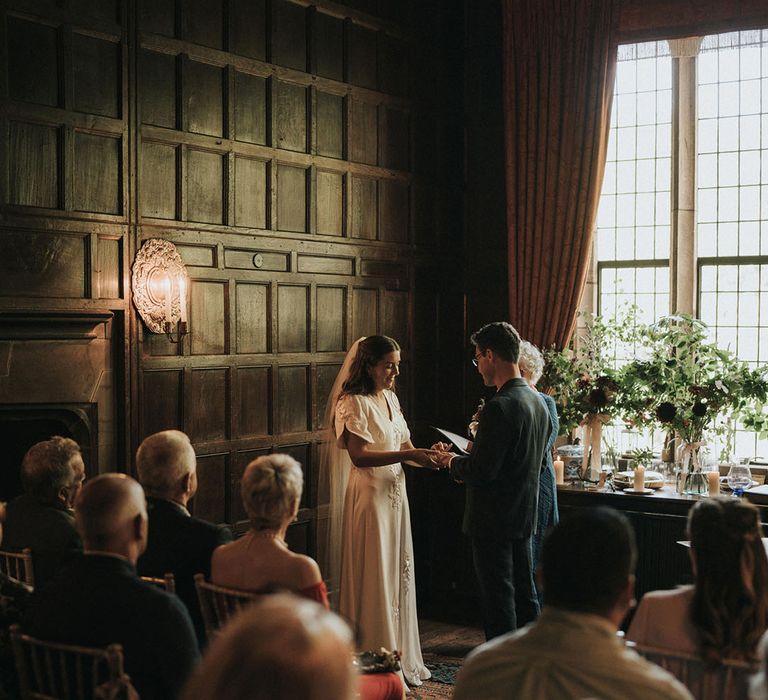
21, 426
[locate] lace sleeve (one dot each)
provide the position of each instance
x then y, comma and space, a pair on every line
350, 414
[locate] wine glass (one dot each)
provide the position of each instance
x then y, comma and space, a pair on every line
739, 478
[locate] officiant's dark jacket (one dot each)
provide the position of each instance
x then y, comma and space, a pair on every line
47, 529
182, 545
100, 600
501, 473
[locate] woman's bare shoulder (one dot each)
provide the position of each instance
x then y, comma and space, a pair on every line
306, 572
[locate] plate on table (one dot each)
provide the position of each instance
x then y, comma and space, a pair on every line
725, 487
638, 492
653, 480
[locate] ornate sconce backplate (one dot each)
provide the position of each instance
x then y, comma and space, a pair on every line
160, 282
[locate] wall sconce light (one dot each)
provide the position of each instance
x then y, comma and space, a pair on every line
160, 284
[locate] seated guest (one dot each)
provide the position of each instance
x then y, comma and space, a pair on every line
271, 489
281, 649
177, 542
99, 599
531, 365
261, 561
52, 472
725, 613
572, 651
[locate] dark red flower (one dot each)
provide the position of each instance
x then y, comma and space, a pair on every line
598, 398
666, 412
699, 409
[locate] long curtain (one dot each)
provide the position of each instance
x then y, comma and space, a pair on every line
559, 67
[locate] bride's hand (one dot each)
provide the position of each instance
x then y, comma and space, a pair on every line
424, 458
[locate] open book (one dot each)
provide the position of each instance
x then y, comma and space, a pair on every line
460, 443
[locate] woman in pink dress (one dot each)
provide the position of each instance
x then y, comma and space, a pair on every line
724, 614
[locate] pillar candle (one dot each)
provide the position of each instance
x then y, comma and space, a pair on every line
559, 472
713, 481
639, 483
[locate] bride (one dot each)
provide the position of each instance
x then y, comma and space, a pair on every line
369, 505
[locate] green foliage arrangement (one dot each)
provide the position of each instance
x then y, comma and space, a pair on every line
677, 380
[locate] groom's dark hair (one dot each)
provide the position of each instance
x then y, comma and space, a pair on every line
501, 337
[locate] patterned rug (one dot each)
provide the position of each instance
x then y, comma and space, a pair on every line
440, 686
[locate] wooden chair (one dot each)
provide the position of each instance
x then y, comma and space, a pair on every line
728, 681
53, 671
218, 604
18, 566
167, 582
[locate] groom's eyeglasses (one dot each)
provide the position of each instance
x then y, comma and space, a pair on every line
476, 358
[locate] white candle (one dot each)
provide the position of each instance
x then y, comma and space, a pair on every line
559, 472
639, 483
168, 312
183, 298
713, 481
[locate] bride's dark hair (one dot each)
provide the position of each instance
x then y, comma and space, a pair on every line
729, 608
369, 353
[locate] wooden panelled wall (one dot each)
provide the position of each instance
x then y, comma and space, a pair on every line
299, 156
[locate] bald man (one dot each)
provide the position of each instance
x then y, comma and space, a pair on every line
99, 599
178, 543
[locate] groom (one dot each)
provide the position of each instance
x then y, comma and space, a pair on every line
501, 474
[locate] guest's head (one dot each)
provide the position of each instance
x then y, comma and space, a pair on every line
375, 366
53, 471
729, 609
281, 649
588, 563
111, 516
531, 362
167, 466
271, 490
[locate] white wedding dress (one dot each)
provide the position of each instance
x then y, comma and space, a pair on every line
377, 586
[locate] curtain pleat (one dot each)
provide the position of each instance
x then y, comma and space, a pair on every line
559, 66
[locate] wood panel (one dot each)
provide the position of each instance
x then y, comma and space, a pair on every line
34, 165
363, 132
247, 34
208, 405
207, 318
364, 219
291, 198
330, 203
157, 89
110, 262
255, 390
205, 187
330, 125
331, 314
158, 181
394, 317
210, 502
250, 108
393, 211
253, 318
292, 317
365, 312
325, 376
289, 35
98, 174
290, 116
361, 67
204, 98
251, 178
157, 16
161, 409
96, 68
292, 399
329, 46
33, 62
42, 264
204, 22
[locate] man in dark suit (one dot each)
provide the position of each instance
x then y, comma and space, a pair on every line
178, 543
501, 475
100, 600
52, 472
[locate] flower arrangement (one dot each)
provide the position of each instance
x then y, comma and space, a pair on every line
687, 385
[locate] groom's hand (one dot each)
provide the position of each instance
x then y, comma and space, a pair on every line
442, 446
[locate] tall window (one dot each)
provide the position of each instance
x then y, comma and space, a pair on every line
633, 229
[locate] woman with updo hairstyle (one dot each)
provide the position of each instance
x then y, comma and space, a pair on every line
725, 613
531, 363
260, 561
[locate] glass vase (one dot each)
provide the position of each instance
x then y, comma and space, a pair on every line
696, 483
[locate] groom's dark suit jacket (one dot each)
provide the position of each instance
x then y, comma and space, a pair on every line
501, 473
182, 545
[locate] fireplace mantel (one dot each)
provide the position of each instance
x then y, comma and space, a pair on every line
37, 324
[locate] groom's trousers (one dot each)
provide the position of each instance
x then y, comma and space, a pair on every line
505, 575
